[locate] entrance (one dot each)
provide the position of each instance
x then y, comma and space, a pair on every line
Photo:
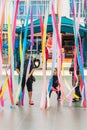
68, 45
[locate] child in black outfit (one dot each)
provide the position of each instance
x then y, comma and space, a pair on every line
55, 85
77, 82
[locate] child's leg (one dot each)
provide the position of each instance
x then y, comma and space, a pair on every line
59, 94
50, 93
77, 91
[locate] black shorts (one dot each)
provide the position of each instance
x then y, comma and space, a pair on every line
28, 83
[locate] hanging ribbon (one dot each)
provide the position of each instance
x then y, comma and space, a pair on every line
14, 24
75, 65
1, 26
12, 46
59, 59
79, 57
4, 87
23, 56
9, 38
41, 25
20, 47
10, 50
0, 57
85, 2
1, 99
43, 103
32, 28
54, 56
9, 60
10, 93
3, 13
31, 47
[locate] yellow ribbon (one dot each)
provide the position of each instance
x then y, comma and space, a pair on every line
20, 47
4, 87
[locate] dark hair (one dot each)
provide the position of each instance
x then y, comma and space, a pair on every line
50, 33
27, 51
55, 69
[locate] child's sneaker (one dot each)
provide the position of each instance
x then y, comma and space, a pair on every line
17, 103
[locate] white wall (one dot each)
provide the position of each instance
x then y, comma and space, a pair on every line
65, 8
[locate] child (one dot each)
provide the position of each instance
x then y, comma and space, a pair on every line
55, 85
76, 83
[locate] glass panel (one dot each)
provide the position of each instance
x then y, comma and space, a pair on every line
5, 48
39, 8
77, 6
22, 10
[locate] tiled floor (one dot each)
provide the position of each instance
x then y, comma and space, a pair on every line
57, 117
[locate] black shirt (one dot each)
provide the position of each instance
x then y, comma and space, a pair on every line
26, 62
55, 81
